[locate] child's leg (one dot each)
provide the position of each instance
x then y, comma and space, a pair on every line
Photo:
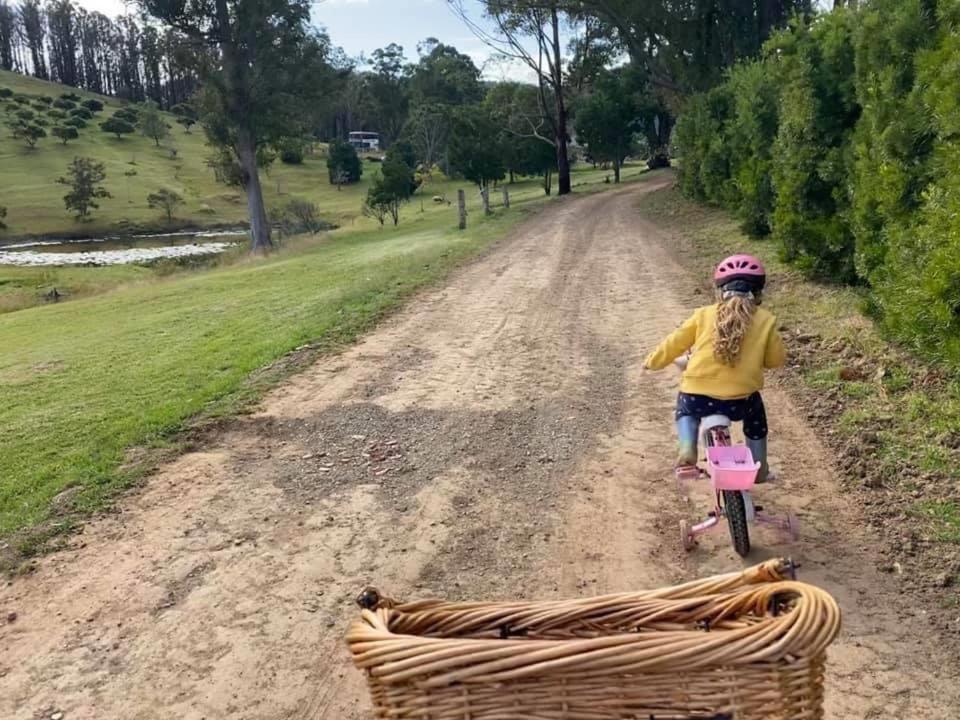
688, 429
755, 431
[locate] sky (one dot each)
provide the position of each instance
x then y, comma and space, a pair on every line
361, 26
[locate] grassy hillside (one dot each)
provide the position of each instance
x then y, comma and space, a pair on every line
34, 200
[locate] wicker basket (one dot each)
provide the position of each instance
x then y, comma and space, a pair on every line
743, 646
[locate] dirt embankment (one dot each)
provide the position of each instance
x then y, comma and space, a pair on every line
496, 439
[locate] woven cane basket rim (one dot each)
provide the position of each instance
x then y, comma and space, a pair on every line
754, 618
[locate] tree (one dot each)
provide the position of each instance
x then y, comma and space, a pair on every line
444, 76
65, 133
33, 30
514, 22
607, 120
400, 165
117, 126
516, 110
476, 149
152, 124
8, 35
84, 178
166, 200
61, 16
186, 115
28, 132
388, 92
389, 191
262, 68
427, 129
686, 46
343, 164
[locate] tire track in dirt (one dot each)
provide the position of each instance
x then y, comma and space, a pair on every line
495, 440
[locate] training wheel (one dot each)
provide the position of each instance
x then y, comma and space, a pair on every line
793, 526
686, 536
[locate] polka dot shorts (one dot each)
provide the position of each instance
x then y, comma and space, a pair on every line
750, 411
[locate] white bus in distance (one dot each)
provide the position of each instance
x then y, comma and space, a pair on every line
364, 140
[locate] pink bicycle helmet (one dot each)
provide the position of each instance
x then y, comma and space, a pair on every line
741, 267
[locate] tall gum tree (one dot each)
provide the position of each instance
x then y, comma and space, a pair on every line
261, 66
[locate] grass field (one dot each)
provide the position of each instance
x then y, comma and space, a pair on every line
86, 380
34, 200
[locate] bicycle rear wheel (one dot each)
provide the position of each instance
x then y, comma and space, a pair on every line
736, 513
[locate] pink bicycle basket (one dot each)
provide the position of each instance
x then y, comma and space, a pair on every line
732, 467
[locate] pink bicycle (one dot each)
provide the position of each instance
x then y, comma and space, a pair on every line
733, 473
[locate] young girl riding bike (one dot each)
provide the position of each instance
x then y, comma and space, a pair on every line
730, 343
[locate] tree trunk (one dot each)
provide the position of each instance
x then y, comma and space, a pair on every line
506, 198
616, 170
547, 181
563, 160
259, 227
462, 209
485, 195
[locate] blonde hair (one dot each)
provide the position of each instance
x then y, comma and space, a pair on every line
734, 314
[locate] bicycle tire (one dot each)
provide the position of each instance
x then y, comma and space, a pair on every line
736, 513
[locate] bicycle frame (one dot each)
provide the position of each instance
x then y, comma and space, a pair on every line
731, 469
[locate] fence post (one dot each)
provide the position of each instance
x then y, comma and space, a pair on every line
462, 208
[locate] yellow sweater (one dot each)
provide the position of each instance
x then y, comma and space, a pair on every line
705, 375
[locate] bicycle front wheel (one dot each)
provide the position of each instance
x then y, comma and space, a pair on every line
736, 513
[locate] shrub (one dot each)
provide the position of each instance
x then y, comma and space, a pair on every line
3, 215
5, 93
21, 99
812, 153
93, 105
56, 114
82, 112
76, 122
291, 151
45, 99
895, 136
117, 125
71, 96
299, 215
64, 104
25, 114
128, 114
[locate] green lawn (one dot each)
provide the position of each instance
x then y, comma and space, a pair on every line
83, 381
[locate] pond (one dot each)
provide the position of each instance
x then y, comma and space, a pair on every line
120, 250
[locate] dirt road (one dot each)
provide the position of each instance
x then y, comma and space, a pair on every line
495, 440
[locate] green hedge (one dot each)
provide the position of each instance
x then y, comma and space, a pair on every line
843, 141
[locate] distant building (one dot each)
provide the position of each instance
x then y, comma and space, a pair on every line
364, 140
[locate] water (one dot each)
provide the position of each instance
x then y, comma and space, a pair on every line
119, 250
